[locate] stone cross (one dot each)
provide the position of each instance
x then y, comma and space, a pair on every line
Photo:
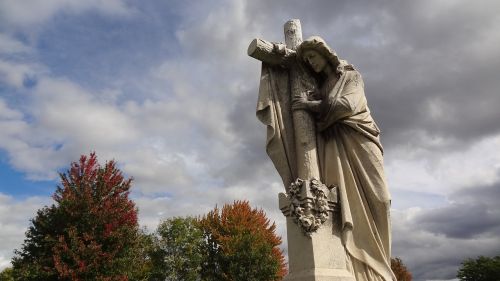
315, 249
304, 127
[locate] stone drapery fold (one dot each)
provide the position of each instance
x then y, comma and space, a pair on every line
350, 157
273, 110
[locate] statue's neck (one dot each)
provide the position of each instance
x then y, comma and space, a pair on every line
328, 70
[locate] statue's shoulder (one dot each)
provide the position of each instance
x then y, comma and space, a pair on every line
349, 67
349, 70
353, 76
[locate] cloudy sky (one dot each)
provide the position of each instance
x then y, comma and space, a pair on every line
167, 90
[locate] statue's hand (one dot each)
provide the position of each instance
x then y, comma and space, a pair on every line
312, 96
300, 101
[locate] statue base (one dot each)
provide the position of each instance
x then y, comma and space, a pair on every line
320, 274
314, 254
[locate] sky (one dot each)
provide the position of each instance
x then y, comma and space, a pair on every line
167, 90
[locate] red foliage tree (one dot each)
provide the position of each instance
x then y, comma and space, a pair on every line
399, 268
242, 245
91, 231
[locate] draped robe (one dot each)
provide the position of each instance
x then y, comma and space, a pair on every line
350, 156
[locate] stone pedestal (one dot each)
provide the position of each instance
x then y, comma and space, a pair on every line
315, 250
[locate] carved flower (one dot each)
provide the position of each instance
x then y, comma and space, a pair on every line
295, 187
306, 221
309, 215
323, 217
315, 183
322, 205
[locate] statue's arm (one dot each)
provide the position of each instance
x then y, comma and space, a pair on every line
314, 106
304, 102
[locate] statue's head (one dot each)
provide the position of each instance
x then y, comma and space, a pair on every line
315, 60
317, 54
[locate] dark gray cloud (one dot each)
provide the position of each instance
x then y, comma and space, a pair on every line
428, 66
433, 242
473, 212
251, 154
429, 69
462, 221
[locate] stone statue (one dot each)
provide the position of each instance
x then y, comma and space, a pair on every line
325, 145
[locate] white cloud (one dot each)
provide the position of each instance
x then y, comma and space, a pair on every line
218, 33
32, 12
14, 74
9, 45
13, 139
420, 170
158, 141
68, 111
14, 221
7, 113
157, 170
65, 120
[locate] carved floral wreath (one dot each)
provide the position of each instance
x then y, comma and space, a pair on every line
313, 213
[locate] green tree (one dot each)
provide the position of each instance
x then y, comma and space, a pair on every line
89, 233
241, 245
480, 269
6, 274
400, 271
178, 250
141, 259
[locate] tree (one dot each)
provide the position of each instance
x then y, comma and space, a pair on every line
399, 268
89, 233
143, 266
178, 250
480, 269
6, 274
241, 245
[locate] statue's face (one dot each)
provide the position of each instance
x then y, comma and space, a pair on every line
315, 60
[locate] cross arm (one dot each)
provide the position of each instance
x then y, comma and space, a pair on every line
271, 53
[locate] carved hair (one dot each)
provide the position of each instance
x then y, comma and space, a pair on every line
319, 45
